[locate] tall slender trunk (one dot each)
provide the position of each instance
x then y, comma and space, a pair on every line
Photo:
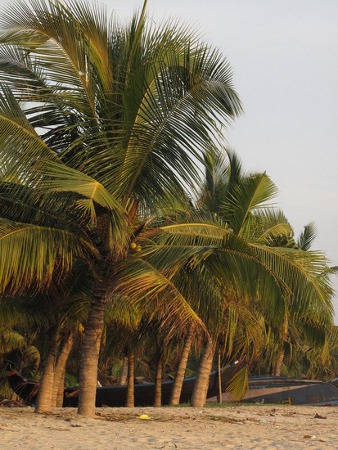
284, 332
124, 372
199, 395
44, 400
178, 383
60, 367
131, 372
90, 357
219, 376
158, 383
61, 390
278, 363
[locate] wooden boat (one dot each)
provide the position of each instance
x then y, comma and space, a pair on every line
285, 390
290, 391
115, 396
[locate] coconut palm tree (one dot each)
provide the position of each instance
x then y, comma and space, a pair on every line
222, 263
98, 122
240, 200
299, 326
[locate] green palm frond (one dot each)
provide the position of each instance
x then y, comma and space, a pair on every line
301, 272
269, 227
20, 145
252, 193
10, 340
141, 281
60, 178
307, 237
121, 312
31, 254
291, 272
239, 384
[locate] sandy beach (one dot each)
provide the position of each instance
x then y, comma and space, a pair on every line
237, 426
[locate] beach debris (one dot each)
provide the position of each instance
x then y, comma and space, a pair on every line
309, 436
144, 417
318, 416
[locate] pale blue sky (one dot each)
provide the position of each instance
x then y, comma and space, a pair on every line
284, 56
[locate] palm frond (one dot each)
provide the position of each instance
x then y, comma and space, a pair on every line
307, 237
31, 254
252, 193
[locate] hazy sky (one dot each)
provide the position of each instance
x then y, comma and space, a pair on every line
284, 56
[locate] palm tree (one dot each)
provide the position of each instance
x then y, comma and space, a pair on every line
240, 200
181, 367
98, 122
221, 262
306, 330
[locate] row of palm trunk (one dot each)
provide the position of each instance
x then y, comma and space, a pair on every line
51, 390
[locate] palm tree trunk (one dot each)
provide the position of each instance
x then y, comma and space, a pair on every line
130, 389
178, 383
278, 364
284, 332
61, 390
61, 367
90, 357
158, 384
199, 395
124, 373
44, 401
219, 376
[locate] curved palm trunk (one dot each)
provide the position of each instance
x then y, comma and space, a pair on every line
178, 383
199, 395
44, 401
130, 389
89, 358
124, 372
60, 369
158, 384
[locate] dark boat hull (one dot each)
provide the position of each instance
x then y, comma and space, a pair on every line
292, 391
144, 393
284, 390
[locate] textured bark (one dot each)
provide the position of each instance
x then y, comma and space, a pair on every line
44, 401
278, 364
60, 393
277, 367
124, 373
90, 357
199, 395
179, 377
158, 384
130, 389
60, 368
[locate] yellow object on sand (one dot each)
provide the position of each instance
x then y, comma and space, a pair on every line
144, 417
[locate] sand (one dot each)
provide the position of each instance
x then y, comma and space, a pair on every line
237, 426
